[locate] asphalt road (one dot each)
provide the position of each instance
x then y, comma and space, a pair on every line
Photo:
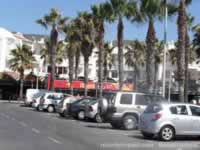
23, 128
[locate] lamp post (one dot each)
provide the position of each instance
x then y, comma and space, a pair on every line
165, 49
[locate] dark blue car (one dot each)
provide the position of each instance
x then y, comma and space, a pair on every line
77, 108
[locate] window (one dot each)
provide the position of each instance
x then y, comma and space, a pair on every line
179, 110
126, 99
57, 97
85, 101
140, 100
153, 108
50, 96
114, 74
195, 110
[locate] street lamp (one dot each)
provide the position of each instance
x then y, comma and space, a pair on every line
165, 49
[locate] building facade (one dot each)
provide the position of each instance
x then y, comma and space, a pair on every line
9, 40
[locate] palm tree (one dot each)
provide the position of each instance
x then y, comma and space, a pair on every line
108, 59
86, 36
181, 48
135, 58
77, 62
60, 52
22, 59
73, 46
55, 21
189, 22
99, 13
70, 55
117, 9
150, 10
158, 60
196, 39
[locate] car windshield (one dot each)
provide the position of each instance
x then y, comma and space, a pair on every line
92, 102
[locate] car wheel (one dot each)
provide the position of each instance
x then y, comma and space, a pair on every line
129, 122
81, 115
98, 118
147, 135
50, 109
115, 125
167, 133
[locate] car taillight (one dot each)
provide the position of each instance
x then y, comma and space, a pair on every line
156, 117
90, 108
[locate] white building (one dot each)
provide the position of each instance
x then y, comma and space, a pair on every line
9, 41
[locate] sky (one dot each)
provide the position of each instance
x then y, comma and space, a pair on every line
21, 16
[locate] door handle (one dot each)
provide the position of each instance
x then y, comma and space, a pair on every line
138, 107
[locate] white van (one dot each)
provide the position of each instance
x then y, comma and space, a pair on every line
33, 93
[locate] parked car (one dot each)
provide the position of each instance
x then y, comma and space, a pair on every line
36, 102
123, 109
61, 108
77, 108
168, 120
31, 94
49, 101
91, 111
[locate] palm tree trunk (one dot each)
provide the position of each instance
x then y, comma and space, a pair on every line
54, 39
77, 59
187, 47
86, 76
101, 59
21, 86
71, 73
181, 49
155, 76
136, 72
105, 71
150, 57
120, 39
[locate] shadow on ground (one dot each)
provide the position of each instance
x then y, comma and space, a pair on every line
179, 138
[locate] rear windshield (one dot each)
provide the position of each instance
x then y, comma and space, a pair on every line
154, 108
92, 102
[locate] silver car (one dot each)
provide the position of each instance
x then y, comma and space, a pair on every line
167, 120
61, 108
91, 111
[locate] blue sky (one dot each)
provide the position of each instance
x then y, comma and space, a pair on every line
20, 16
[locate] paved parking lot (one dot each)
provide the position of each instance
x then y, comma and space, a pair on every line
25, 129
